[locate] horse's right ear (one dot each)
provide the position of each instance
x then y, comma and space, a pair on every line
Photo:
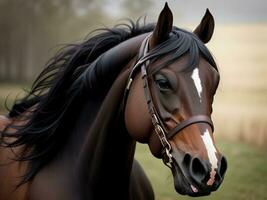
163, 27
205, 29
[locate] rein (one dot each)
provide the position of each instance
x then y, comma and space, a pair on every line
158, 126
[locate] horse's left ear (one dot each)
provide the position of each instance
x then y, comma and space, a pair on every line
206, 27
163, 27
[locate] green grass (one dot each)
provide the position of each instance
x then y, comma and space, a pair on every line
246, 177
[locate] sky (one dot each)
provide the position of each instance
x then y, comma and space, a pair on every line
224, 11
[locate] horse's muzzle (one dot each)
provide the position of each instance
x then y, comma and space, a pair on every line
194, 177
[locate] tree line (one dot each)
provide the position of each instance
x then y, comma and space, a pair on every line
31, 29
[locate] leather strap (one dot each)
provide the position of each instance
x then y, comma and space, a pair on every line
158, 125
192, 120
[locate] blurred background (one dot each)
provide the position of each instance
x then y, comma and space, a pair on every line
32, 31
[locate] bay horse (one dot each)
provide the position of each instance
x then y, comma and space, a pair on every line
74, 135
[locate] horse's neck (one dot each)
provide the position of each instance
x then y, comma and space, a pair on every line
106, 163
99, 152
105, 150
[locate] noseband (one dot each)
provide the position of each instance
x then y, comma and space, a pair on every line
158, 126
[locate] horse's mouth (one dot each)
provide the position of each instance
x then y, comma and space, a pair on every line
184, 185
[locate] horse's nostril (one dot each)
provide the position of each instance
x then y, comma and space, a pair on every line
198, 170
223, 166
187, 160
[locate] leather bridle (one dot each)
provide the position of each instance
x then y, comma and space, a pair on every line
158, 126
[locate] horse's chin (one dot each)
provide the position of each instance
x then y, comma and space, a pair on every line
183, 186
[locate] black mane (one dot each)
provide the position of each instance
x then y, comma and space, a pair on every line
74, 70
56, 88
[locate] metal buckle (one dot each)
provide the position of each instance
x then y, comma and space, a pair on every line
168, 162
161, 135
155, 120
165, 143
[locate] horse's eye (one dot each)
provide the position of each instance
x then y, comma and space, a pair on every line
163, 84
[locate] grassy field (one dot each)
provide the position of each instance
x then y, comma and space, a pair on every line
240, 106
246, 177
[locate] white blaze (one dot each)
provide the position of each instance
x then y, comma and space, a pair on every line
211, 150
197, 81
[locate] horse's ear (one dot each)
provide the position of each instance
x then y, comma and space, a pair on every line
206, 27
163, 27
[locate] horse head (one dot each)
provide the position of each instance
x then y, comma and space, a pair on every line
169, 103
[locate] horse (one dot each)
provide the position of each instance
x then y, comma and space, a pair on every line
73, 136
